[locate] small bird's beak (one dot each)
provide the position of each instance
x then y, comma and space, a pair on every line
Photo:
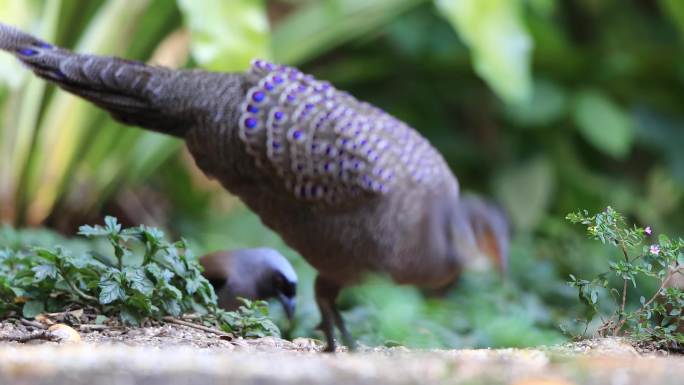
289, 305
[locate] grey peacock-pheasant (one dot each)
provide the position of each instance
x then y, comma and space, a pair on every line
348, 186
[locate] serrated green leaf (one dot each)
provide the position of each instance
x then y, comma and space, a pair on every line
110, 291
129, 316
172, 291
44, 271
171, 306
92, 231
136, 278
141, 302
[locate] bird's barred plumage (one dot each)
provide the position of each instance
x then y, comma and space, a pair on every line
326, 145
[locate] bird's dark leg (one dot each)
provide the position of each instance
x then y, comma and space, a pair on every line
326, 295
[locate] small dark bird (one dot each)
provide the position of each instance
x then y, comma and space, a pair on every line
261, 273
348, 186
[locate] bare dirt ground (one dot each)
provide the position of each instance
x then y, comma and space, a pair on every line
173, 354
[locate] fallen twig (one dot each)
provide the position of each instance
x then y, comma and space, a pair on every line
196, 326
86, 327
37, 335
34, 324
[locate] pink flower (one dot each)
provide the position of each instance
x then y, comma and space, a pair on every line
654, 249
648, 230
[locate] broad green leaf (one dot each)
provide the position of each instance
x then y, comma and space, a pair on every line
227, 35
603, 123
110, 291
525, 191
675, 10
171, 306
33, 308
129, 316
138, 280
44, 271
319, 26
500, 43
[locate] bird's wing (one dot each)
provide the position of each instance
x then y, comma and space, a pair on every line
325, 145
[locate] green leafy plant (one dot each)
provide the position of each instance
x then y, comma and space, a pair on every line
144, 277
659, 314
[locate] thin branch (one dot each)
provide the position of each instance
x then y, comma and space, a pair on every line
34, 324
196, 326
624, 285
88, 327
655, 296
670, 274
37, 335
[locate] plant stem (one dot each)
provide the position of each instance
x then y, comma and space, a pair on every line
653, 298
78, 291
621, 320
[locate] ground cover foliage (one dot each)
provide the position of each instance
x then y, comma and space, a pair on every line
139, 277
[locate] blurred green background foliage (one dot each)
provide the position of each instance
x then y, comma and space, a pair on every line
548, 106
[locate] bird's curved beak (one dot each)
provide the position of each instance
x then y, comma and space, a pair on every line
289, 305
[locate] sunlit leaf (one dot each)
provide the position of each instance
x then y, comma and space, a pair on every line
67, 119
499, 41
21, 14
320, 26
603, 123
675, 10
227, 35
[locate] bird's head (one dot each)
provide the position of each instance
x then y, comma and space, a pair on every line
260, 273
278, 280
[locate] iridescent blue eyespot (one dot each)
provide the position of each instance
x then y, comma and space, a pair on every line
277, 79
278, 115
268, 86
250, 122
252, 109
27, 52
258, 96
